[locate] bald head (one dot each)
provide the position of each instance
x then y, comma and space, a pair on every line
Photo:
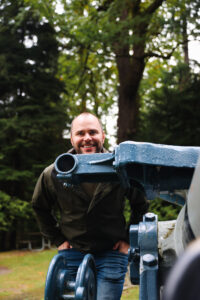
85, 115
87, 135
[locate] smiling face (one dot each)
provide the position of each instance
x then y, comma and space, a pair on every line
87, 136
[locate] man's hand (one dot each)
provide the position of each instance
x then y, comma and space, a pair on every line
121, 246
65, 245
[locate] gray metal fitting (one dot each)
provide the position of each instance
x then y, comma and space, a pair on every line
149, 217
149, 260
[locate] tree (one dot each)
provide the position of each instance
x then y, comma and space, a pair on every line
168, 91
172, 111
32, 114
121, 34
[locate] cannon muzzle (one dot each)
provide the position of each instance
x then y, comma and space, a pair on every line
75, 169
65, 163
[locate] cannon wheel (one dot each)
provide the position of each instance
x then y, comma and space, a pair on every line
183, 282
56, 277
56, 280
86, 280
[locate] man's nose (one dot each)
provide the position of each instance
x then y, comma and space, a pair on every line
87, 137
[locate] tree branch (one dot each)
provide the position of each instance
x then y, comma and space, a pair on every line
154, 54
136, 6
152, 8
105, 5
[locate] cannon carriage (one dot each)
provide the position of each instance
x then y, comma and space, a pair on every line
159, 171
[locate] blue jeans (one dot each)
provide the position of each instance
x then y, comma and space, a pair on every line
111, 270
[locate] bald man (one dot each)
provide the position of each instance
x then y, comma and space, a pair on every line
91, 214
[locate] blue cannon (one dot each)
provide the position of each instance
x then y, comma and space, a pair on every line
59, 286
158, 170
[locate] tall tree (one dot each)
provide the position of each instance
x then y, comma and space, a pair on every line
32, 115
170, 92
124, 33
172, 113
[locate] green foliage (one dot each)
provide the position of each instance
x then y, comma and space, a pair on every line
12, 209
88, 71
94, 35
32, 113
172, 109
127, 211
164, 210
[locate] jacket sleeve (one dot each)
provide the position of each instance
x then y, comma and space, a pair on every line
139, 205
43, 203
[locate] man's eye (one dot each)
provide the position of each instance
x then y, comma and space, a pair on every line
93, 132
80, 133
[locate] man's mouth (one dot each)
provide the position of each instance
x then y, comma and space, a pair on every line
88, 148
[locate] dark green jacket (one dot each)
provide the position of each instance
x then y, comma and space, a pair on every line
90, 225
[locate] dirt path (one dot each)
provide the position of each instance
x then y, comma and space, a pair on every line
4, 270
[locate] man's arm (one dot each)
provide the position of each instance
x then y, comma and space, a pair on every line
43, 202
121, 246
139, 205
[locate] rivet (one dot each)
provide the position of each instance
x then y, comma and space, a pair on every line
150, 217
149, 260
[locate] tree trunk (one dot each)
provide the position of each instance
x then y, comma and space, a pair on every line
185, 78
130, 71
130, 74
185, 41
8, 240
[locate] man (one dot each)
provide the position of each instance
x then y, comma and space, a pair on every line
91, 214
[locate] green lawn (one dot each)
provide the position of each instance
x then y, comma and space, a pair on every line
23, 273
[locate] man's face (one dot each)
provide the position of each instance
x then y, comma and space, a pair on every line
87, 136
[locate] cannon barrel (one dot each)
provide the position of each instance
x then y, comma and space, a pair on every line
153, 167
175, 236
188, 221
183, 281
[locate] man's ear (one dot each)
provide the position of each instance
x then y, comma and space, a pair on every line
71, 141
104, 136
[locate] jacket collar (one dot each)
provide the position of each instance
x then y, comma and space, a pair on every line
72, 151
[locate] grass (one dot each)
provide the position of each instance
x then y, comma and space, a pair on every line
27, 274
131, 294
23, 273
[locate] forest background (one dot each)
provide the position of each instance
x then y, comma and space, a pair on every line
126, 61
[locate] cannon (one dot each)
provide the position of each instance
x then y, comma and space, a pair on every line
159, 171
59, 286
183, 282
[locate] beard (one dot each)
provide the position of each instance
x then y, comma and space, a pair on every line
89, 148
